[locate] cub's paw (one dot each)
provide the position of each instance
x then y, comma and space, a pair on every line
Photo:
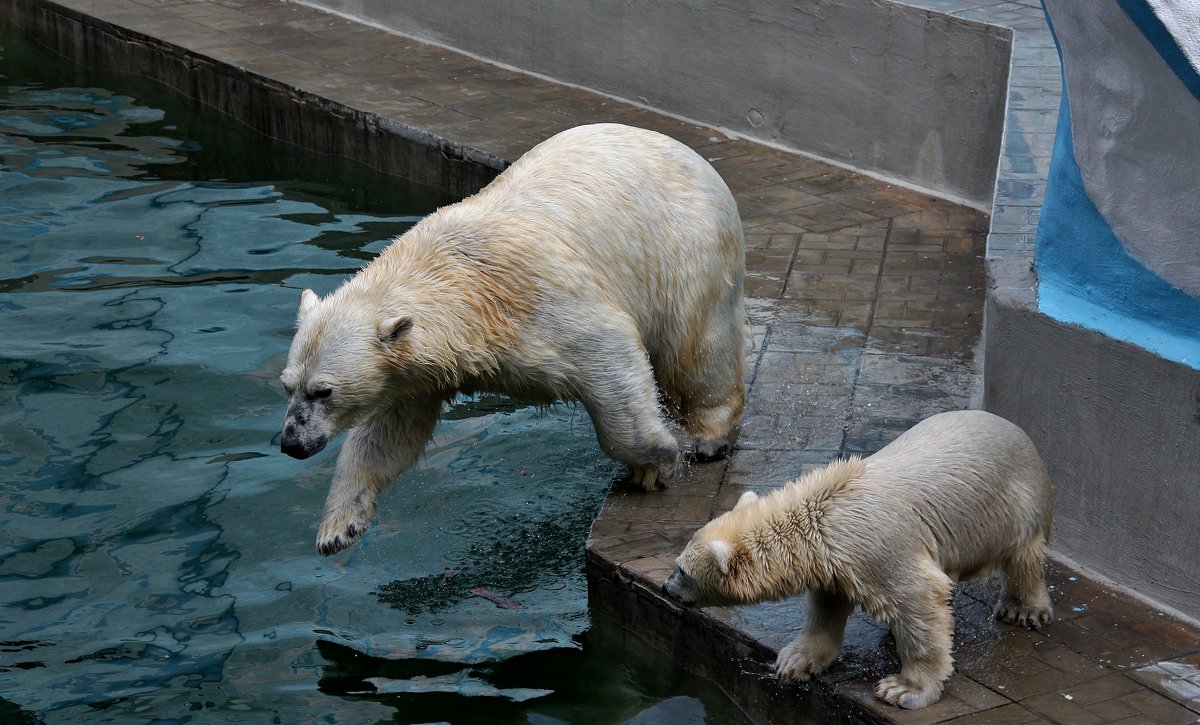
338, 531
801, 660
904, 692
1032, 616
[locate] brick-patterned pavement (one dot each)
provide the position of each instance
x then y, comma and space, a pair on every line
865, 303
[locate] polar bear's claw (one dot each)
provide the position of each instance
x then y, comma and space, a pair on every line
331, 547
339, 534
797, 662
1031, 616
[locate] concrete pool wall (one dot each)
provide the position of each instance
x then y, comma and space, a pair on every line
281, 107
900, 91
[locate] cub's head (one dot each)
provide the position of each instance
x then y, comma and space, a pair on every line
338, 369
713, 568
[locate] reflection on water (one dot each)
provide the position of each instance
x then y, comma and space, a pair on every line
156, 551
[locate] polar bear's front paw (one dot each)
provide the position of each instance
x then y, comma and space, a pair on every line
907, 693
802, 659
340, 529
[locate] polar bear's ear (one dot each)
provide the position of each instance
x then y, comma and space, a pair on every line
722, 554
308, 300
747, 497
394, 328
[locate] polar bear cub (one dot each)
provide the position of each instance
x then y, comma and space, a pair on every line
605, 266
952, 498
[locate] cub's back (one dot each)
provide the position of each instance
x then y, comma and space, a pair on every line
972, 483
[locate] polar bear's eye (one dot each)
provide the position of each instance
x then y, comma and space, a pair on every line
322, 393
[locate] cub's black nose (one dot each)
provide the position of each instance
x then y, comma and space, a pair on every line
678, 588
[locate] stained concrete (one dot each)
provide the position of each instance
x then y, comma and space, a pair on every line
886, 87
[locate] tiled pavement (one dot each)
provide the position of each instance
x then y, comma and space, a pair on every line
865, 309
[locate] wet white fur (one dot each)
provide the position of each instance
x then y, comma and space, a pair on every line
605, 259
952, 498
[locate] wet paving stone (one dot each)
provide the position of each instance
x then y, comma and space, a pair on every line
865, 302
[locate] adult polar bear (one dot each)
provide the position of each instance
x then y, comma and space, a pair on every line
606, 258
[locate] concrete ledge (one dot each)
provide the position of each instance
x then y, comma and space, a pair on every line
1118, 425
904, 92
713, 648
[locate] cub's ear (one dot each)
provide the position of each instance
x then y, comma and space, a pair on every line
394, 328
308, 300
747, 497
722, 554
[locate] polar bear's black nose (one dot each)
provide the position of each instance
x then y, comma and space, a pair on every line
294, 448
299, 443
678, 587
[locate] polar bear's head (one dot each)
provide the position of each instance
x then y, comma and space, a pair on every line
340, 366
713, 568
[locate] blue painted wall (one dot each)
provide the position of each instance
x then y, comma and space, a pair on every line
1120, 225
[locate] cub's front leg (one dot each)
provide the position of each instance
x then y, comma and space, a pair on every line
375, 453
923, 624
817, 645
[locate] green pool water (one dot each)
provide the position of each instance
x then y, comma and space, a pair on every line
156, 550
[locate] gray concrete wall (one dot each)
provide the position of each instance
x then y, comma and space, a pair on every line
1120, 430
895, 90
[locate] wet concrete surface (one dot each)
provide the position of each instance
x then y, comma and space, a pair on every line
865, 308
